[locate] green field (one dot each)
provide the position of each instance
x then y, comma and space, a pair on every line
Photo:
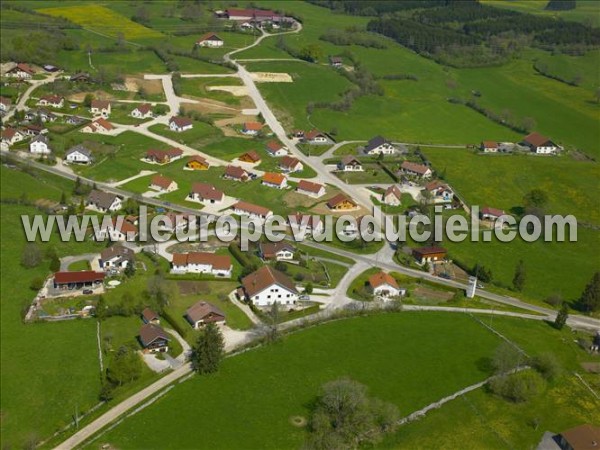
587, 12
287, 377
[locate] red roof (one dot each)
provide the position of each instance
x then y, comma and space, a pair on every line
161, 182
253, 126
84, 276
181, 121
264, 277
209, 37
414, 167
218, 262
274, 146
309, 186
430, 251
536, 139
382, 278
52, 98
251, 155
100, 104
23, 67
289, 162
161, 155
198, 159
393, 190
340, 198
207, 191
252, 209
236, 172
313, 134
273, 178
235, 12
489, 144
103, 123
492, 211
144, 108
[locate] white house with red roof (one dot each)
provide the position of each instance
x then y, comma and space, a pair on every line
251, 128
289, 164
210, 40
384, 285
180, 124
143, 111
311, 189
540, 144
392, 196
101, 107
11, 136
54, 101
488, 213
117, 230
489, 146
162, 184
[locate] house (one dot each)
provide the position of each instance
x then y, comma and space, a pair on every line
5, 104
101, 107
44, 115
267, 286
310, 223
149, 316
210, 40
50, 68
336, 61
180, 124
540, 144
341, 202
11, 136
251, 128
384, 285
489, 146
289, 164
99, 125
487, 213
34, 130
54, 101
143, 111
154, 339
197, 162
78, 280
117, 230
79, 154
74, 120
173, 222
206, 193
311, 189
250, 14
162, 184
350, 164
201, 262
315, 137
22, 71
104, 202
276, 149
379, 146
39, 145
250, 157
116, 257
202, 313
275, 180
279, 251
236, 173
439, 191
253, 211
392, 196
80, 76
582, 437
416, 170
429, 254
163, 156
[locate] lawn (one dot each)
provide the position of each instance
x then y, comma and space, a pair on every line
586, 12
197, 87
196, 137
287, 375
501, 181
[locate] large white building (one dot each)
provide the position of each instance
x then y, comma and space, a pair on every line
267, 286
202, 262
39, 145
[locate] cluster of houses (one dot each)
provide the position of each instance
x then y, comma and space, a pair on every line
533, 142
247, 18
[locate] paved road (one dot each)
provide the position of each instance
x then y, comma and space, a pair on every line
20, 105
66, 261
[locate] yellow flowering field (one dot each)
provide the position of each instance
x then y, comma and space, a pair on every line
102, 20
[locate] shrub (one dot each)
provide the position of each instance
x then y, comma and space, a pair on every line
37, 283
518, 387
547, 365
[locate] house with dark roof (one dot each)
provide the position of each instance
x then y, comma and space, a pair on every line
251, 157
429, 254
336, 61
379, 145
267, 286
101, 107
104, 202
54, 101
439, 192
83, 77
149, 316
210, 40
278, 251
79, 155
180, 124
206, 193
21, 70
202, 313
154, 339
11, 136
163, 156
5, 104
236, 173
39, 145
540, 144
582, 437
316, 137
116, 257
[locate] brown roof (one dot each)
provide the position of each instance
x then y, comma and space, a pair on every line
103, 123
492, 211
334, 201
124, 227
161, 155
270, 249
100, 104
436, 184
52, 98
289, 162
349, 159
149, 315
253, 209
9, 133
273, 146
5, 101
209, 37
161, 182
313, 134
393, 190
264, 277
144, 108
151, 332
175, 218
181, 121
382, 278
204, 311
101, 198
309, 186
252, 155
489, 144
83, 276
198, 159
414, 167
254, 126
116, 251
536, 139
24, 67
273, 178
423, 251
583, 437
218, 262
207, 191
236, 172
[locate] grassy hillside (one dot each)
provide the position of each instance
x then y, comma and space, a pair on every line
587, 12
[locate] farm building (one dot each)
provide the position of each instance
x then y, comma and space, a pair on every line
202, 262
78, 280
540, 144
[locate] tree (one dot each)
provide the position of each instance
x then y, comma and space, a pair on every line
63, 198
536, 198
529, 123
125, 367
482, 273
32, 256
100, 310
554, 300
506, 357
547, 365
87, 100
54, 263
590, 298
518, 387
208, 351
561, 317
129, 269
520, 276
308, 288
